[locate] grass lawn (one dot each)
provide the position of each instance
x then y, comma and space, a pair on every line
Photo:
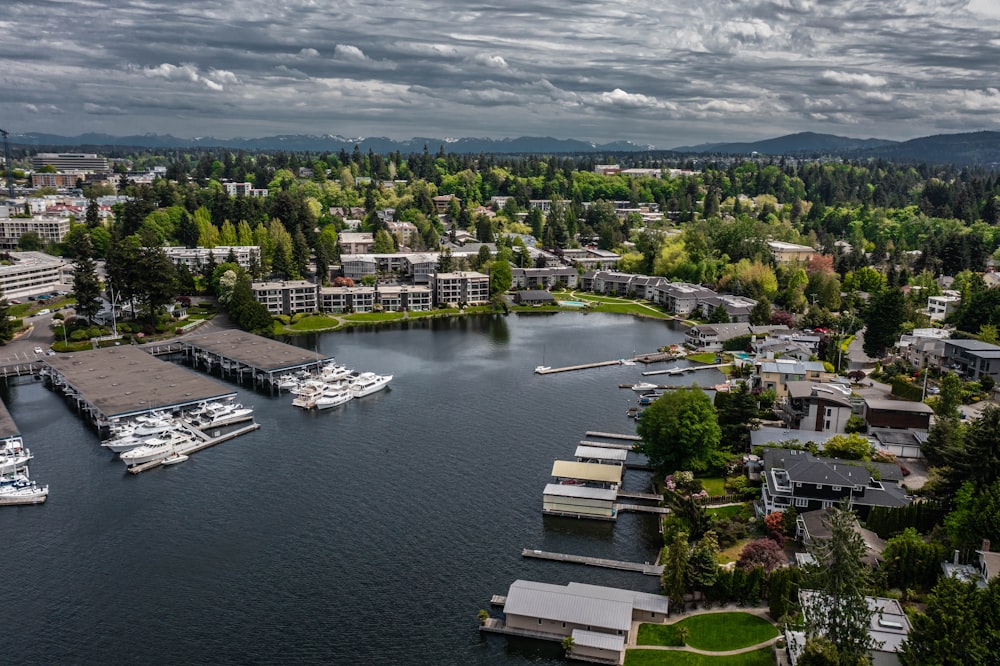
725, 512
435, 313
314, 323
708, 358
732, 553
374, 316
761, 657
714, 485
716, 632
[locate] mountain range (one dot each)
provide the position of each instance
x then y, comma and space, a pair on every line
970, 148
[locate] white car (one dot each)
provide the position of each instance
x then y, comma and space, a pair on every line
39, 351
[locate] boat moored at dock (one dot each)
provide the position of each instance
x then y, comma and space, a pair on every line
368, 383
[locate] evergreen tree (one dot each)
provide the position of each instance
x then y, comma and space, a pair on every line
445, 262
760, 315
93, 218
675, 570
86, 285
702, 566
884, 318
301, 253
6, 325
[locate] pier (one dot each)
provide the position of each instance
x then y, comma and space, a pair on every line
122, 382
650, 497
582, 366
607, 445
658, 357
642, 508
643, 568
612, 435
206, 442
681, 371
242, 354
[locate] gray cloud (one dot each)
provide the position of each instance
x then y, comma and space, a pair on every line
653, 72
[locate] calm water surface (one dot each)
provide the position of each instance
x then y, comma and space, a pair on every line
369, 533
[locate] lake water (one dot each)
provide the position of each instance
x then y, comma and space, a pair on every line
369, 533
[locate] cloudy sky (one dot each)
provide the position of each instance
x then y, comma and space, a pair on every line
663, 72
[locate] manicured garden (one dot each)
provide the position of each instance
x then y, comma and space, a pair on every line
716, 632
761, 657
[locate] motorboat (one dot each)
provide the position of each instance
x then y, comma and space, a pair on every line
155, 448
14, 459
333, 396
125, 442
30, 494
308, 386
368, 383
539, 369
287, 382
644, 387
174, 459
220, 413
335, 373
308, 395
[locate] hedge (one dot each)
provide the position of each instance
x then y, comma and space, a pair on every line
905, 389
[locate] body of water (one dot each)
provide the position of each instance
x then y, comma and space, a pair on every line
369, 533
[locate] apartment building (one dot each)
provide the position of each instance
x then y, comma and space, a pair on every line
287, 297
465, 287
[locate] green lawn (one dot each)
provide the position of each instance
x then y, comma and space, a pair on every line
714, 485
732, 553
708, 358
314, 323
374, 316
716, 632
725, 512
435, 313
761, 657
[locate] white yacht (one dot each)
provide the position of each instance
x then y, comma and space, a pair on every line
335, 373
308, 395
644, 387
13, 459
155, 448
215, 414
368, 383
124, 443
333, 396
287, 382
30, 494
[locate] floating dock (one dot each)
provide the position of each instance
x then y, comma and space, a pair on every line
612, 435
681, 371
582, 366
643, 568
122, 382
242, 354
642, 508
607, 445
206, 442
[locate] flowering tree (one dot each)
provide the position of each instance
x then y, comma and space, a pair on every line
763, 553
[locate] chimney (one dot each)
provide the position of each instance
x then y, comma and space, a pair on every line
955, 559
986, 545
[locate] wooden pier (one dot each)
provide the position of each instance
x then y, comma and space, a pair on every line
607, 445
498, 600
643, 568
681, 371
571, 368
642, 508
651, 497
206, 442
657, 357
612, 435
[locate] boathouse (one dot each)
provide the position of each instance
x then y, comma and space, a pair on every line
588, 474
579, 501
600, 454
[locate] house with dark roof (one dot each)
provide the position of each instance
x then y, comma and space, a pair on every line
816, 407
973, 358
897, 414
534, 297
808, 482
812, 526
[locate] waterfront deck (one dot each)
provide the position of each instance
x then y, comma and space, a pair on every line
120, 382
239, 353
607, 445
643, 568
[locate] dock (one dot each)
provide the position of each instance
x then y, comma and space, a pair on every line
643, 568
206, 442
607, 445
245, 355
681, 371
582, 366
658, 357
650, 497
612, 435
643, 508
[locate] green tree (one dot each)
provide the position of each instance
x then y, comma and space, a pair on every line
848, 447
950, 631
675, 570
836, 607
679, 430
884, 318
248, 313
92, 216
760, 315
6, 325
976, 515
702, 565
30, 241
946, 406
501, 277
446, 263
819, 651
86, 285
384, 243
910, 561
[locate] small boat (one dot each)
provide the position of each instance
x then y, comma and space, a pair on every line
174, 459
14, 460
287, 382
307, 396
368, 383
542, 368
644, 387
626, 361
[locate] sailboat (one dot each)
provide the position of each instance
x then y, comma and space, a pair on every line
542, 369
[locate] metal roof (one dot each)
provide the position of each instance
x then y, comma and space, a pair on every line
600, 453
253, 350
597, 640
899, 406
565, 469
644, 601
582, 492
8, 428
560, 604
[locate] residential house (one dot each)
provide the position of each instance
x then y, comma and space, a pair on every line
442, 202
807, 482
897, 414
981, 572
816, 407
287, 297
777, 373
710, 337
939, 307
812, 526
889, 626
973, 359
599, 619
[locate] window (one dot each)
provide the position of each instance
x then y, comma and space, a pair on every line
539, 620
836, 488
801, 501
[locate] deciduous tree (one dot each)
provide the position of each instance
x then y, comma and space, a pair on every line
679, 430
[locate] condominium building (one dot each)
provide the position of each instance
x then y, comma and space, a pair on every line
287, 297
196, 257
469, 288
30, 273
347, 299
70, 162
51, 229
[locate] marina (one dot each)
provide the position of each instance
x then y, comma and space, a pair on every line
240, 354
16, 487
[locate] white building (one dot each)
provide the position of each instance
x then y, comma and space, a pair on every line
939, 307
196, 257
51, 229
31, 273
244, 190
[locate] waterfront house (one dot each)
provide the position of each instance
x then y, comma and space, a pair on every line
897, 414
736, 307
404, 297
544, 278
807, 482
811, 526
534, 297
888, 628
775, 374
681, 298
598, 618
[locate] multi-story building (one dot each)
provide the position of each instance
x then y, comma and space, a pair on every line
544, 278
817, 407
287, 297
245, 190
31, 273
196, 257
404, 297
737, 308
463, 288
681, 298
88, 162
51, 229
347, 299
360, 242
786, 253
973, 358
402, 231
776, 374
60, 180
939, 307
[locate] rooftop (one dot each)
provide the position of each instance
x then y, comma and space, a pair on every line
565, 469
7, 426
122, 381
580, 492
898, 406
255, 351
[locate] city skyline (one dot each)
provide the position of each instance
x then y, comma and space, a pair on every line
600, 71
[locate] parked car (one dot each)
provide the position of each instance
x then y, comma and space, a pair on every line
39, 351
43, 311
933, 390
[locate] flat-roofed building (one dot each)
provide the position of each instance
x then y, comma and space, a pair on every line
897, 414
196, 257
405, 297
604, 476
600, 454
90, 162
50, 228
786, 253
287, 297
817, 407
31, 273
357, 266
356, 242
347, 299
245, 190
973, 358
463, 288
888, 627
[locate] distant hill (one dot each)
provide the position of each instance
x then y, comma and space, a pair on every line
968, 148
791, 144
333, 143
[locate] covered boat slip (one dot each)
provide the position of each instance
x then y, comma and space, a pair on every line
8, 429
239, 352
588, 472
119, 382
600, 454
579, 501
